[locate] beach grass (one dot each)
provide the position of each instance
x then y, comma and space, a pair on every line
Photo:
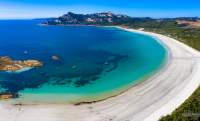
188, 111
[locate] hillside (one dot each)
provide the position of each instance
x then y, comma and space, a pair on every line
104, 18
108, 18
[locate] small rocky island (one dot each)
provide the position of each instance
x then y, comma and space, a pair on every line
7, 64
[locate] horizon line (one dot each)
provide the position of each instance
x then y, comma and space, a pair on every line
43, 17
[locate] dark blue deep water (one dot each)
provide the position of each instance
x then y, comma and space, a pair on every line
92, 60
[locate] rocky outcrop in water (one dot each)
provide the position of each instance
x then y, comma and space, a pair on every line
7, 64
4, 96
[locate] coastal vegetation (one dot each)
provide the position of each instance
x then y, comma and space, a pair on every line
184, 29
105, 18
188, 111
185, 33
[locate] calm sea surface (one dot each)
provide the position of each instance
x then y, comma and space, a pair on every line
94, 62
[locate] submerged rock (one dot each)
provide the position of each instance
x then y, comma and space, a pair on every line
74, 67
25, 52
106, 63
55, 58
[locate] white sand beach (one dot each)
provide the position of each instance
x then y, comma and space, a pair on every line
148, 101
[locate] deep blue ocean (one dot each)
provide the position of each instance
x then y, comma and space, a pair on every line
94, 62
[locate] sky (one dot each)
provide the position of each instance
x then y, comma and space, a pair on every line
25, 9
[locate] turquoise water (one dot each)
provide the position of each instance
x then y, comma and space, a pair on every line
94, 62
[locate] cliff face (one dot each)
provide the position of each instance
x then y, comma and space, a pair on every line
106, 18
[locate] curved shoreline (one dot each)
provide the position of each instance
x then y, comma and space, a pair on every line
159, 95
43, 97
192, 82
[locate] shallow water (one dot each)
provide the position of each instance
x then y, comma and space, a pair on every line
93, 61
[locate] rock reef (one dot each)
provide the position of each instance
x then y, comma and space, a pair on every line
4, 96
7, 64
55, 57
